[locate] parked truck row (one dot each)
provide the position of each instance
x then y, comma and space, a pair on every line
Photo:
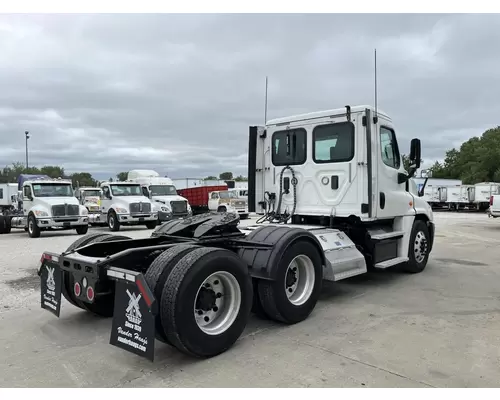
38, 203
453, 195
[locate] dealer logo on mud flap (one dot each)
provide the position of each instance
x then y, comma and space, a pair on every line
133, 322
50, 290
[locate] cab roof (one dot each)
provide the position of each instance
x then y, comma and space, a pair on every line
338, 112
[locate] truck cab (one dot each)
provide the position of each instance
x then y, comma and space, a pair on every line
163, 194
342, 168
48, 204
123, 203
228, 201
90, 198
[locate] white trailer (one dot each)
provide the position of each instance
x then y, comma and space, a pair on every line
481, 193
8, 197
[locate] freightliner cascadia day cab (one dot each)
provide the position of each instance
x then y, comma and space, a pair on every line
336, 203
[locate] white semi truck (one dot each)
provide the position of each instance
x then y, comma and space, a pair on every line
123, 203
163, 193
337, 203
44, 204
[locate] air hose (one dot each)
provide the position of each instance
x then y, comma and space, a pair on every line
276, 216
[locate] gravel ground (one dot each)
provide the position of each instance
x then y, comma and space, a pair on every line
439, 328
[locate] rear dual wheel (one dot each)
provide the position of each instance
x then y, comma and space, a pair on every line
205, 297
292, 296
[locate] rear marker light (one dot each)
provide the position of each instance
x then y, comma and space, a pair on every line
77, 289
90, 293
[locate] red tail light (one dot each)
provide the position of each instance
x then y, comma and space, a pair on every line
90, 293
78, 289
491, 200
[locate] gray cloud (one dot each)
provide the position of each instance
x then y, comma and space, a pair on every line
176, 93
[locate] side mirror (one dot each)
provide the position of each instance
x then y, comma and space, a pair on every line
415, 153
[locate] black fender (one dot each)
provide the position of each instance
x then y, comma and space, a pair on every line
274, 240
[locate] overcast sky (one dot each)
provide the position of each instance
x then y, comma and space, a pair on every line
176, 93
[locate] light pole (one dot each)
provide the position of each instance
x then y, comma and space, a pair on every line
27, 137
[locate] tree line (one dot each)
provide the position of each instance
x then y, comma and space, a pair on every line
10, 174
476, 160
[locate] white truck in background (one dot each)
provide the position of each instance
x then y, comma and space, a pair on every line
123, 203
163, 193
43, 204
90, 198
228, 201
480, 194
8, 198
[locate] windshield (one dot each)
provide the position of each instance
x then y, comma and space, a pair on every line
228, 195
52, 190
163, 190
89, 193
126, 190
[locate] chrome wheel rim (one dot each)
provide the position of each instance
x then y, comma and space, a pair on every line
217, 303
111, 222
420, 247
299, 280
30, 225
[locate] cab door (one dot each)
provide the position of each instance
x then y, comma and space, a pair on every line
27, 199
105, 199
390, 197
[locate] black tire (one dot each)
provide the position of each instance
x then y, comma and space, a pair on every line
3, 224
273, 296
257, 308
8, 224
67, 285
180, 293
82, 229
423, 241
103, 306
113, 223
157, 275
33, 229
152, 224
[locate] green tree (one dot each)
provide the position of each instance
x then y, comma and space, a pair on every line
210, 178
82, 179
240, 178
122, 176
226, 176
52, 171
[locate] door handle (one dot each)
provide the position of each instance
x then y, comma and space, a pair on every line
334, 182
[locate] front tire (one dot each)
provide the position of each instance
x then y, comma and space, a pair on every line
113, 223
152, 224
206, 302
418, 248
82, 229
295, 292
33, 229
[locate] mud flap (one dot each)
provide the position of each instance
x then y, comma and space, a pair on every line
50, 284
133, 327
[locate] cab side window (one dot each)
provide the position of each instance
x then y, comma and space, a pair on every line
389, 148
215, 196
145, 191
105, 192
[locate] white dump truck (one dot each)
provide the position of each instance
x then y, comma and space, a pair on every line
228, 201
337, 203
123, 203
163, 193
44, 204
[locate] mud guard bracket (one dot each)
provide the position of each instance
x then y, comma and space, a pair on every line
133, 327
